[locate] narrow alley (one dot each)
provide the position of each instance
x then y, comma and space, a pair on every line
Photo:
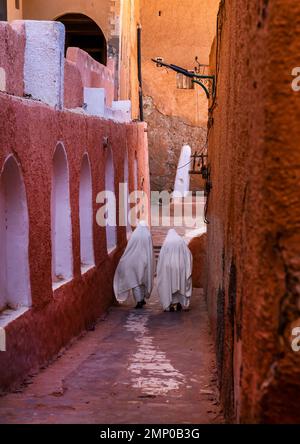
125, 118
135, 367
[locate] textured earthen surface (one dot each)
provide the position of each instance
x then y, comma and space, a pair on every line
31, 131
254, 210
93, 74
198, 248
73, 85
12, 47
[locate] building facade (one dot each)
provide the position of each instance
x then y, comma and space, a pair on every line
176, 112
65, 138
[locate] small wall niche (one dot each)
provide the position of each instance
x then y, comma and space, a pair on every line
86, 216
62, 256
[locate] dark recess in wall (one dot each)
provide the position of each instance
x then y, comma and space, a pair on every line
3, 10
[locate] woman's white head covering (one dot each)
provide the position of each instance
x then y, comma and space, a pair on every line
174, 270
136, 266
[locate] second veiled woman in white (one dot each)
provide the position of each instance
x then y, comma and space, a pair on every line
174, 273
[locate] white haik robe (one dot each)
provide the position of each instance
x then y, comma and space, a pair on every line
136, 267
174, 272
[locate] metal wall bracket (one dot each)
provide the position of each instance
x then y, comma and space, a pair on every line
207, 83
200, 166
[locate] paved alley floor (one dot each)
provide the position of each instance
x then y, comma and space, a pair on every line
137, 367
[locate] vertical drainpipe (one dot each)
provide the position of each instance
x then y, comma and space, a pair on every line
120, 49
139, 51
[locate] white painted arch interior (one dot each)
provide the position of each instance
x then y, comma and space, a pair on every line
111, 231
86, 215
15, 291
62, 255
126, 196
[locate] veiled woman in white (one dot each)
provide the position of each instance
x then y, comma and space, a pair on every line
135, 272
174, 273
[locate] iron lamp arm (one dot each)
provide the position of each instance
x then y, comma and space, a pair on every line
196, 78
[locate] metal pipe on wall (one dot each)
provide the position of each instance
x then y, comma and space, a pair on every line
140, 79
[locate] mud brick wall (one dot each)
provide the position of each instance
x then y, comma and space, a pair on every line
253, 256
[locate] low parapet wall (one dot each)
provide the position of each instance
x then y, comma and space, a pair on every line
93, 74
31, 55
12, 51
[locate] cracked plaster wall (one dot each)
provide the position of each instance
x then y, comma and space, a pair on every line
175, 116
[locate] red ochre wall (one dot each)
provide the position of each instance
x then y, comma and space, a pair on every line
12, 47
253, 286
30, 131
